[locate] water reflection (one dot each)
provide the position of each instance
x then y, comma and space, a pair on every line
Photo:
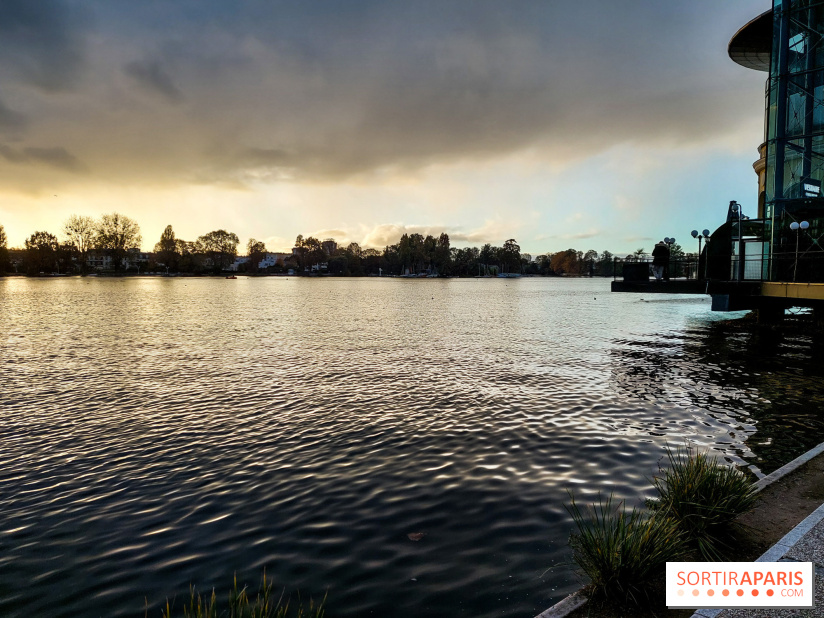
157, 432
757, 391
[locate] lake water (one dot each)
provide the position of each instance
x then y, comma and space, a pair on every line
161, 432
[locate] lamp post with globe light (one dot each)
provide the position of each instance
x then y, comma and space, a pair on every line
737, 213
796, 227
669, 242
704, 234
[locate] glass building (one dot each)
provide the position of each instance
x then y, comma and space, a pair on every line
787, 42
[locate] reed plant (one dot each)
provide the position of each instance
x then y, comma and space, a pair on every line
704, 497
241, 605
623, 551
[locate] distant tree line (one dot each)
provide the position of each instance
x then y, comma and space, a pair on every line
113, 243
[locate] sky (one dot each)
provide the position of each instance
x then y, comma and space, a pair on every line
592, 124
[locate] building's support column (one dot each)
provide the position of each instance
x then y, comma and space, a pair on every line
818, 317
770, 313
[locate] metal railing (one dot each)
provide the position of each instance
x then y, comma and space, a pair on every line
804, 267
641, 269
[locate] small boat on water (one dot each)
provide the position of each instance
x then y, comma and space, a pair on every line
231, 277
509, 275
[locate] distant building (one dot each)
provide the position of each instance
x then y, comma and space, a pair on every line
240, 259
97, 259
329, 246
271, 259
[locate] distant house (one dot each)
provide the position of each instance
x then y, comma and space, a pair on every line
99, 260
241, 259
270, 259
102, 260
135, 258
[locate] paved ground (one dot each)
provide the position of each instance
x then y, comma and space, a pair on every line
804, 543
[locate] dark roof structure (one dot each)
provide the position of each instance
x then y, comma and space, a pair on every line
752, 44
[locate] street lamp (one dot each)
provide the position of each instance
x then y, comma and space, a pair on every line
704, 234
669, 242
795, 226
738, 213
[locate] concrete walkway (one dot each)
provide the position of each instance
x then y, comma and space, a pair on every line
804, 543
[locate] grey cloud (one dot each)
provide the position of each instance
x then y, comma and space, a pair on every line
590, 233
389, 233
153, 77
42, 42
10, 119
264, 157
316, 92
57, 157
11, 155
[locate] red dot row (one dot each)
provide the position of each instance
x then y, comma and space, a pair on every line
726, 593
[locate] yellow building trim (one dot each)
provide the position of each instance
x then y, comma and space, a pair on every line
806, 291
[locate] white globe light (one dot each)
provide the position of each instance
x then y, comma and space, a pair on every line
805, 225
694, 233
706, 232
794, 226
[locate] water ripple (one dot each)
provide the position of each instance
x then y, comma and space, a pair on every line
157, 432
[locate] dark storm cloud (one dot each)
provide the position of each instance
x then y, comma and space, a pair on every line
322, 91
10, 119
57, 157
41, 42
152, 76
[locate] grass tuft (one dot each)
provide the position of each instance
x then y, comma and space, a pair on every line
704, 497
264, 605
623, 551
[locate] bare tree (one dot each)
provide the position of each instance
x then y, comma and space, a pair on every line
117, 234
80, 233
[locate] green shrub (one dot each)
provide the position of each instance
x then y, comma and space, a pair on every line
704, 497
264, 605
623, 551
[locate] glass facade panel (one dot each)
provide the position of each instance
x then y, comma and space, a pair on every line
794, 124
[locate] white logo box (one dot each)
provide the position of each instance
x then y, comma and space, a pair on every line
752, 585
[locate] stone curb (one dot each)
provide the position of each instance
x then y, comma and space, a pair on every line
566, 606
577, 599
784, 470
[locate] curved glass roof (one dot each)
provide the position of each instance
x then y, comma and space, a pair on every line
751, 45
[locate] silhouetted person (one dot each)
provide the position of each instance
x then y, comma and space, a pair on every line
660, 261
